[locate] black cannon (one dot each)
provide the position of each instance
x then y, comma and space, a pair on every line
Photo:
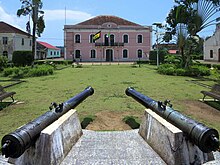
207, 139
15, 143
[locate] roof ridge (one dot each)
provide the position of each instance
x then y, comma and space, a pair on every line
101, 19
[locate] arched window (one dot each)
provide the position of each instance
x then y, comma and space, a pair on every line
139, 53
211, 53
125, 53
93, 53
125, 38
77, 38
77, 54
139, 38
91, 38
112, 39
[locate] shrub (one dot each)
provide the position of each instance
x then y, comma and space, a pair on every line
195, 70
172, 59
180, 72
10, 71
217, 66
28, 71
42, 70
198, 70
22, 58
3, 62
167, 69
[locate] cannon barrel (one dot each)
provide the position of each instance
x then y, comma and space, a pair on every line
207, 139
14, 144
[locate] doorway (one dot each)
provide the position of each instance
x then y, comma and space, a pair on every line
109, 55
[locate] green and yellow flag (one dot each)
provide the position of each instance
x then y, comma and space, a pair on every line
97, 36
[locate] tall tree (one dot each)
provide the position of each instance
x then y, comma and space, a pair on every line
195, 15
33, 8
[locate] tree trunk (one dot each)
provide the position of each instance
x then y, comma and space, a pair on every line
34, 40
34, 18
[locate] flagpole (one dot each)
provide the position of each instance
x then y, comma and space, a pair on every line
65, 15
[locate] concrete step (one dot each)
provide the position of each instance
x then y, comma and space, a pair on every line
115, 147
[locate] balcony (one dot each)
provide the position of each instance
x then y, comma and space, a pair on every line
118, 44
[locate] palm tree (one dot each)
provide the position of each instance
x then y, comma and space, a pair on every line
33, 9
194, 16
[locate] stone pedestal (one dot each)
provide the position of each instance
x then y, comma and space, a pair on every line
54, 143
169, 141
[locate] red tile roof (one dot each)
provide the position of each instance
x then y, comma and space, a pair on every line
6, 28
47, 45
99, 20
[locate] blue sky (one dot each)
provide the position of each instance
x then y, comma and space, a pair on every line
142, 12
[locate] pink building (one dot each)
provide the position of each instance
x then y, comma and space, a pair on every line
120, 40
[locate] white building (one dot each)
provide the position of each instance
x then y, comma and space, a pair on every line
13, 39
212, 46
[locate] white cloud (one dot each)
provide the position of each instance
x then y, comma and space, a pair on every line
71, 15
12, 19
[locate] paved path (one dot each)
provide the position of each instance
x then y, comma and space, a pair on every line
112, 148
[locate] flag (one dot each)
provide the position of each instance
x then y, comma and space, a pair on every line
97, 36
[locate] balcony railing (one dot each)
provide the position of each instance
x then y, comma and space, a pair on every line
110, 44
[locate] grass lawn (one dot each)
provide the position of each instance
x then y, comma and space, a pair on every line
109, 82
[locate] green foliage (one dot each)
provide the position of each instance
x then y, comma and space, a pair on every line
3, 62
195, 70
42, 70
22, 58
172, 59
217, 66
132, 121
20, 72
198, 70
87, 120
153, 56
167, 69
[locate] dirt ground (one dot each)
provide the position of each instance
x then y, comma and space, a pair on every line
106, 120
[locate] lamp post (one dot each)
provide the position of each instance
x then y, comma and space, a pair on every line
157, 25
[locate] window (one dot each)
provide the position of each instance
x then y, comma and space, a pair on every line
77, 54
5, 40
51, 53
77, 38
54, 53
22, 41
139, 53
125, 38
93, 54
211, 53
5, 53
30, 43
112, 39
125, 53
91, 38
139, 38
106, 40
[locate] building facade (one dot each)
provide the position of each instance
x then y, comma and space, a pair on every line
13, 39
47, 51
212, 46
120, 40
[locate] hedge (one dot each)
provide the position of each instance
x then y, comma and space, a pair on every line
22, 58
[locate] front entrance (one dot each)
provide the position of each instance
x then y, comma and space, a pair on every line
109, 55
